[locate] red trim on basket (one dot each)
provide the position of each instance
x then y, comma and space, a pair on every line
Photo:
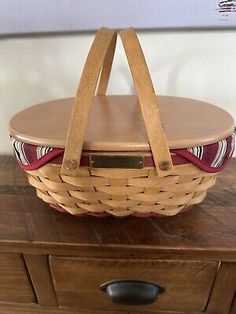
43, 160
200, 163
56, 156
182, 157
210, 158
176, 159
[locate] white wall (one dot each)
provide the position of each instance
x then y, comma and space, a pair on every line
198, 64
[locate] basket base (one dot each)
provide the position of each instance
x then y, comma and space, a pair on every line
102, 215
103, 192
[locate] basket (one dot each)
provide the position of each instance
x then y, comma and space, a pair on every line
120, 165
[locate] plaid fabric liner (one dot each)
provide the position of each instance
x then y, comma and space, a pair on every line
210, 158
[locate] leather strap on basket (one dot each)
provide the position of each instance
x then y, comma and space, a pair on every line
101, 57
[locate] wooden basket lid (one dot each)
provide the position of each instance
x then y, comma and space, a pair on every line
116, 123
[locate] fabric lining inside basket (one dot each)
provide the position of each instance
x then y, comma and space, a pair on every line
209, 158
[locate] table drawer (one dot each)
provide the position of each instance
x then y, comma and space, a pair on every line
187, 283
15, 285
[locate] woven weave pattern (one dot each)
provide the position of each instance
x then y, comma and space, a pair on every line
122, 192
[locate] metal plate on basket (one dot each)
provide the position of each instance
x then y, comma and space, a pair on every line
116, 161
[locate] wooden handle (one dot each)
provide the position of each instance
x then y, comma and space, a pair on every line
106, 67
100, 57
148, 102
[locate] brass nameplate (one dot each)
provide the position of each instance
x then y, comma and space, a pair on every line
117, 161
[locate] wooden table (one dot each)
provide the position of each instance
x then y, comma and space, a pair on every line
51, 262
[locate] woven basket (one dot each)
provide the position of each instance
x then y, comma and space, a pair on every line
119, 181
122, 192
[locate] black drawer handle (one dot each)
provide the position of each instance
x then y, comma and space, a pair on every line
132, 292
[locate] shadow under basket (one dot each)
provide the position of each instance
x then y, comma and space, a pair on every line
122, 155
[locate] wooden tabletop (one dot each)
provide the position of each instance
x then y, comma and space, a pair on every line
27, 224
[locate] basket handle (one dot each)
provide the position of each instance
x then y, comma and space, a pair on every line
99, 60
148, 102
145, 92
106, 67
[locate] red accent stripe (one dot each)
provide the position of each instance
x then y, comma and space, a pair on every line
56, 156
200, 163
182, 157
44, 160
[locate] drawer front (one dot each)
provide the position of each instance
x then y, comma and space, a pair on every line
187, 283
15, 285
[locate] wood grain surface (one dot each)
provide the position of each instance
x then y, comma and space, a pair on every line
35, 309
77, 280
27, 224
15, 285
40, 276
116, 123
224, 290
